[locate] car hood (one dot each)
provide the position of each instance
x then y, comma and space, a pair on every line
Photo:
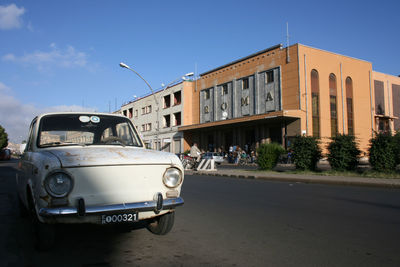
103, 156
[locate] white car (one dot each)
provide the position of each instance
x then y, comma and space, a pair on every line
94, 168
218, 157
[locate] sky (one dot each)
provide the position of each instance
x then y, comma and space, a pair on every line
65, 55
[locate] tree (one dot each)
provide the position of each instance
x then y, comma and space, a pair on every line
3, 138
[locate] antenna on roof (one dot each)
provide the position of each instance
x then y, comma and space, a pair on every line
287, 43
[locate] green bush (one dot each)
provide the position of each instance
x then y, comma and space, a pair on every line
396, 139
3, 138
382, 152
343, 153
306, 152
268, 155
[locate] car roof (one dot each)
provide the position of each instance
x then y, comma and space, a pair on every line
81, 112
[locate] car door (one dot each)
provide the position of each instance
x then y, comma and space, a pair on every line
26, 168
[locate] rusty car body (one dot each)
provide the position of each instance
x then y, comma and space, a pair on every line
94, 168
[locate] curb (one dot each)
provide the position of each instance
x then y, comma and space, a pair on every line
329, 180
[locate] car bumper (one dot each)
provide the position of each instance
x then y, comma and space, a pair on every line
82, 210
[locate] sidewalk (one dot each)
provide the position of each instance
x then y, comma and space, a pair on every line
252, 173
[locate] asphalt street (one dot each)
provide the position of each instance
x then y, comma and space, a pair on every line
228, 222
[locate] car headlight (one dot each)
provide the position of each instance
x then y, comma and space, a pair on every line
58, 184
172, 177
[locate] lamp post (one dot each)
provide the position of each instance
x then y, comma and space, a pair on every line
123, 65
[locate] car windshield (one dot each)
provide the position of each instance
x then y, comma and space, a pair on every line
84, 129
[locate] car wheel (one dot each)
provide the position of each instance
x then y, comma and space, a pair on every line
44, 234
23, 211
161, 225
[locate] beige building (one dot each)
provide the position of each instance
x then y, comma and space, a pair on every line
157, 116
278, 93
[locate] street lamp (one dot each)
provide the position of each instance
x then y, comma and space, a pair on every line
123, 65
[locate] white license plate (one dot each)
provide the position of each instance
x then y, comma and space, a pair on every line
120, 218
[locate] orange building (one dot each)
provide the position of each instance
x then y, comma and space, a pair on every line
278, 93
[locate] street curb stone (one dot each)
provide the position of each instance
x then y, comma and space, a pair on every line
317, 179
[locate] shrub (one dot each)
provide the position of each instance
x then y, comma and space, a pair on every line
268, 155
3, 138
306, 152
382, 152
343, 153
396, 139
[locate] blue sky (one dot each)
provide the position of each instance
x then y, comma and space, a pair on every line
62, 55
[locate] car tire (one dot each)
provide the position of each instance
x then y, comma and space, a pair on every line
23, 211
44, 234
162, 225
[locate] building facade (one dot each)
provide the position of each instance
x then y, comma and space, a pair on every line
157, 116
278, 93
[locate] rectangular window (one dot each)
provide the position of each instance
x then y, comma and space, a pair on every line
177, 98
148, 109
177, 146
224, 89
136, 113
269, 76
148, 127
167, 121
125, 112
396, 105
130, 113
379, 98
334, 126
177, 118
245, 83
167, 101
315, 114
143, 128
207, 94
350, 116
143, 110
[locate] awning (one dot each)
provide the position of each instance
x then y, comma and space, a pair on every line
283, 115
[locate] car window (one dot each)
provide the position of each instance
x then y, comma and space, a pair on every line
29, 144
83, 129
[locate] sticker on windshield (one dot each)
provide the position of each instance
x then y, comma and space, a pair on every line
84, 119
95, 119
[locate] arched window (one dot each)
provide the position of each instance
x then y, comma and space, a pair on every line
349, 101
315, 103
333, 104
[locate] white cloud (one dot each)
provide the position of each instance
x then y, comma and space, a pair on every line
16, 117
10, 17
55, 57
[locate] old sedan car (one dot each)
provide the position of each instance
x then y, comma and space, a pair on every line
5, 154
94, 168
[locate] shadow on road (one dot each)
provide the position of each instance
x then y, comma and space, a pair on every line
76, 245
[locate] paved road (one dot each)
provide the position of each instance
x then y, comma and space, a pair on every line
229, 222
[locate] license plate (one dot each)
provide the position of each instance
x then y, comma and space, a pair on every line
120, 218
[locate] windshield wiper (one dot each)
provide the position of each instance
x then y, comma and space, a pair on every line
59, 144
